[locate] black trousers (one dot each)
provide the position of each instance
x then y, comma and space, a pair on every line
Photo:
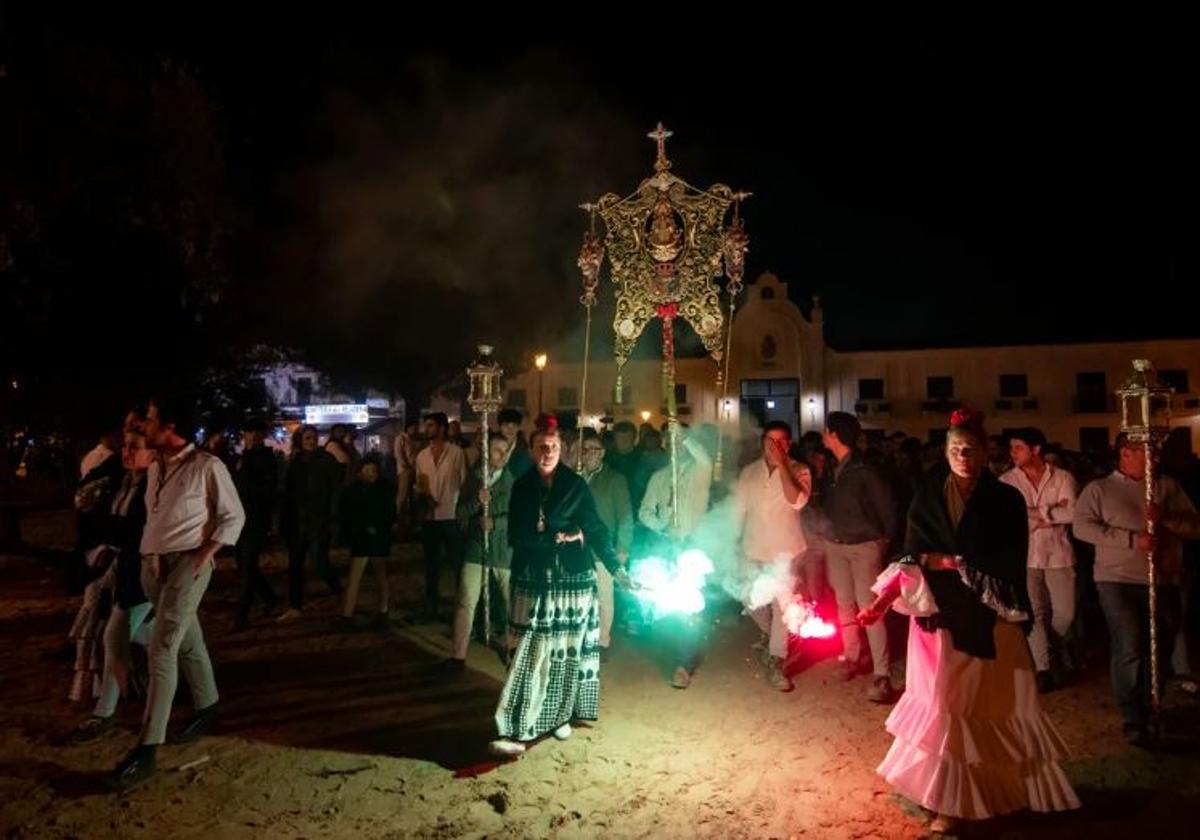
298, 553
442, 541
254, 582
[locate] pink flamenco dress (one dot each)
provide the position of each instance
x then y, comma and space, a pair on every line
971, 740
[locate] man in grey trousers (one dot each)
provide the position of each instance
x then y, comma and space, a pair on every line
192, 510
863, 519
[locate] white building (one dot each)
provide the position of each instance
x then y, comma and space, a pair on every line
782, 369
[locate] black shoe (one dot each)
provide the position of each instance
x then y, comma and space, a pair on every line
133, 771
881, 691
848, 670
451, 666
776, 678
1045, 682
1137, 736
91, 730
65, 653
202, 723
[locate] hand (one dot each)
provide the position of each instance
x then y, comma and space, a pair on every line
201, 557
564, 537
879, 606
775, 453
1146, 542
870, 615
485, 496
105, 557
488, 524
622, 579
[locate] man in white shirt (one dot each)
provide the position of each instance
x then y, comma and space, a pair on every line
441, 471
192, 510
768, 499
1050, 502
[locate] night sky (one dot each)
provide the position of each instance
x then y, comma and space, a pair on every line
393, 190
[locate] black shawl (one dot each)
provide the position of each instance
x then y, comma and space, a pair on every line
992, 539
568, 506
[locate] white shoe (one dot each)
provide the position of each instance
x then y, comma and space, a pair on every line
563, 732
289, 614
506, 748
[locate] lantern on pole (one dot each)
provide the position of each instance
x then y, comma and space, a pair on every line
1146, 419
485, 398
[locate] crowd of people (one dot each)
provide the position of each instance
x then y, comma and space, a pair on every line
994, 546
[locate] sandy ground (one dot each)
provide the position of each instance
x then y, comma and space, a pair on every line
354, 734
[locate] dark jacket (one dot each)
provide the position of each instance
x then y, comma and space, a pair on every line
93, 498
813, 517
567, 505
368, 512
470, 517
859, 503
125, 532
519, 461
255, 476
310, 496
993, 540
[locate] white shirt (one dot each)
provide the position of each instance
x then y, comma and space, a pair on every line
189, 502
445, 479
770, 524
695, 482
93, 459
1051, 509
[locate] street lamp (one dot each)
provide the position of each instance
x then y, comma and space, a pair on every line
539, 362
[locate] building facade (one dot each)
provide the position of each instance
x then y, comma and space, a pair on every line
782, 369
